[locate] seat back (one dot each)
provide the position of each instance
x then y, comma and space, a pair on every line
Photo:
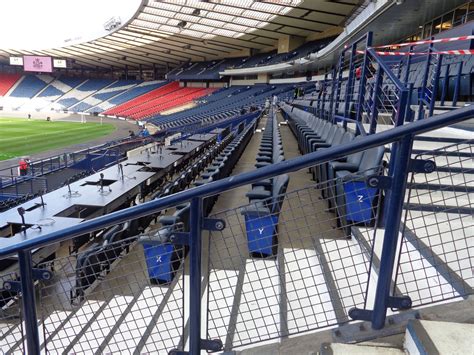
355, 158
280, 184
371, 161
346, 138
337, 136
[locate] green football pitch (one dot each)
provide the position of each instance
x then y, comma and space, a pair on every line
21, 137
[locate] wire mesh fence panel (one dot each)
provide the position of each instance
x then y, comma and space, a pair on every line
276, 272
123, 296
11, 317
436, 254
381, 98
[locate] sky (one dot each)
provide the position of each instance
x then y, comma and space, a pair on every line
45, 24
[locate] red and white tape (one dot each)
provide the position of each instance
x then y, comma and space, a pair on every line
429, 41
453, 52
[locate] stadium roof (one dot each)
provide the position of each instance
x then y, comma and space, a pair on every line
167, 33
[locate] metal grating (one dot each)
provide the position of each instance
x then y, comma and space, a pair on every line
314, 277
437, 250
110, 306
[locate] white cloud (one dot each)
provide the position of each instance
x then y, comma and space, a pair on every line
33, 24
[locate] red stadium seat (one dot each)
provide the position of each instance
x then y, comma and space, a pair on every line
159, 100
161, 91
7, 81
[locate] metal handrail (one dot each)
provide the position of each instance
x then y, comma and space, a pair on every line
88, 150
20, 179
19, 244
387, 70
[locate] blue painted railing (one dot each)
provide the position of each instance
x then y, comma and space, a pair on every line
402, 139
56, 162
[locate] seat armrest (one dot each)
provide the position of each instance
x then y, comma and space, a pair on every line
255, 211
263, 183
258, 194
262, 164
337, 166
168, 220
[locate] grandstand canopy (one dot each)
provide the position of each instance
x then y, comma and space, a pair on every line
167, 33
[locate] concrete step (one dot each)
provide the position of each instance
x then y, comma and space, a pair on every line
131, 328
432, 337
260, 292
61, 333
354, 349
10, 334
442, 199
90, 338
163, 331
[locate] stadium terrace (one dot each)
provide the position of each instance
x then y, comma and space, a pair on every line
237, 176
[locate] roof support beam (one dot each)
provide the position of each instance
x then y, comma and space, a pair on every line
229, 38
170, 43
273, 22
197, 23
305, 8
212, 41
129, 56
150, 53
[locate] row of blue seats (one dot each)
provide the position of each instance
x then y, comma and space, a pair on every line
91, 85
163, 257
186, 175
227, 103
158, 247
115, 89
266, 197
210, 70
95, 261
54, 91
7, 203
225, 162
29, 86
300, 52
135, 92
218, 101
342, 182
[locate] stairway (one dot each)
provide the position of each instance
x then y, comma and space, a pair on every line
312, 282
421, 337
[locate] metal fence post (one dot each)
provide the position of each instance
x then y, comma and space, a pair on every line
426, 72
375, 96
409, 115
333, 95
444, 88
195, 246
363, 81
350, 85
407, 72
457, 85
28, 301
338, 79
396, 195
434, 88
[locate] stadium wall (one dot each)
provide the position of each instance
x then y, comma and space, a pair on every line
262, 78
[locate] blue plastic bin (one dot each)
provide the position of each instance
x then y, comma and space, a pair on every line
261, 234
359, 201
